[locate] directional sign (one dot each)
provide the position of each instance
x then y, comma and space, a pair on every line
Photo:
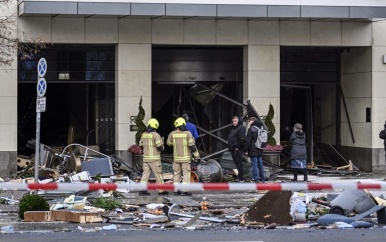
41, 87
42, 67
41, 104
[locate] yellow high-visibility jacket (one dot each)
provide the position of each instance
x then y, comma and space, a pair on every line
182, 142
150, 141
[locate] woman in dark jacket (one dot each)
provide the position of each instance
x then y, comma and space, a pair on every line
298, 152
235, 145
254, 153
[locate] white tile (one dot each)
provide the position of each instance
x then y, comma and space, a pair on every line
200, 32
362, 134
134, 57
378, 110
378, 53
379, 85
101, 30
132, 83
326, 33
263, 84
10, 132
167, 31
263, 32
136, 31
377, 127
8, 83
356, 34
232, 32
68, 30
263, 58
124, 137
295, 33
8, 106
379, 33
36, 27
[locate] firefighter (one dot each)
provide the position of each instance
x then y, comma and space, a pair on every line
183, 148
152, 144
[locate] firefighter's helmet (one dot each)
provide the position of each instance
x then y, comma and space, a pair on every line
179, 122
153, 123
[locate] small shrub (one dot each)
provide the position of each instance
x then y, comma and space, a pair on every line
32, 202
107, 203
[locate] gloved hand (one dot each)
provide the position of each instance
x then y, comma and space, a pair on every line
197, 160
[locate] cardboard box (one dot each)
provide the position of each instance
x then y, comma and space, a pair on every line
37, 216
76, 216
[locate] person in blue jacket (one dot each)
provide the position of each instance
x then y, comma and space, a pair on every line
190, 127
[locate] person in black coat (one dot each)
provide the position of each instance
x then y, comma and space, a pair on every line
235, 145
255, 154
298, 152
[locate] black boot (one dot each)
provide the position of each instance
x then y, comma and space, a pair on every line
163, 193
144, 193
178, 193
305, 174
295, 175
186, 194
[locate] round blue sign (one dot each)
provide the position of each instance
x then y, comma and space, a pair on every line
42, 67
41, 87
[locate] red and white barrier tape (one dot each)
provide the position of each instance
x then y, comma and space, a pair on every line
195, 186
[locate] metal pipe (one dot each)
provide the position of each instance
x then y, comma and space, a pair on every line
201, 218
221, 95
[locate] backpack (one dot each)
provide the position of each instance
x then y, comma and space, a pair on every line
382, 134
262, 138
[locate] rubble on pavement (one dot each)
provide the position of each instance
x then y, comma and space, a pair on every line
115, 210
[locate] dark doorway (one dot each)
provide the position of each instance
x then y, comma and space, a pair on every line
309, 77
176, 69
80, 94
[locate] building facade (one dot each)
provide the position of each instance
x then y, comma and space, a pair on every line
335, 51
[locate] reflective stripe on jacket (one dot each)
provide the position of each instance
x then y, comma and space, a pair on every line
181, 142
150, 142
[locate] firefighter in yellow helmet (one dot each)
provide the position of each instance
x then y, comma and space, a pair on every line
183, 149
152, 144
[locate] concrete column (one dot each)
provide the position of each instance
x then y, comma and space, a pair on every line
133, 80
8, 119
262, 80
357, 85
378, 94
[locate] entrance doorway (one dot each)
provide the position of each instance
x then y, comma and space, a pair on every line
80, 98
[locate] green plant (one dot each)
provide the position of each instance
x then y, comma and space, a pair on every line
139, 122
32, 202
270, 125
107, 203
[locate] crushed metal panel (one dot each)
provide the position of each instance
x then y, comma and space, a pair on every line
273, 207
98, 165
333, 153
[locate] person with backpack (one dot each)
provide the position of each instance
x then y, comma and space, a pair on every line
255, 142
298, 152
236, 145
382, 135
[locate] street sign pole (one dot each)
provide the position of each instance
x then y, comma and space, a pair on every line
41, 91
37, 150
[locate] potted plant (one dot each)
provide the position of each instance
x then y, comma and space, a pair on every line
139, 122
272, 150
135, 149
